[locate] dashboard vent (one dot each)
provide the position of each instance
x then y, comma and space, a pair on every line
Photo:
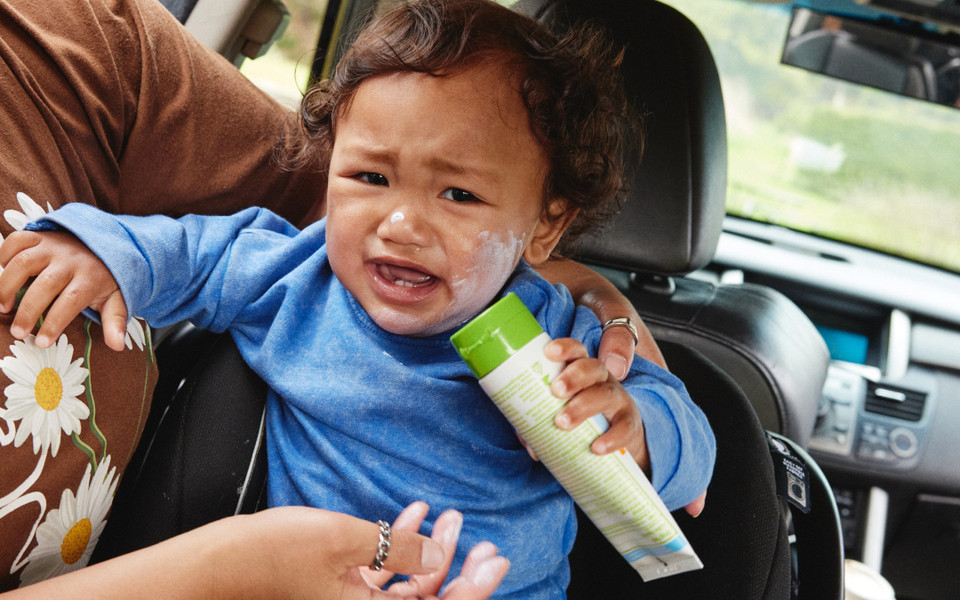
895, 402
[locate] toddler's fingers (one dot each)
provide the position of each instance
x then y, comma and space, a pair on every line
565, 350
17, 267
10, 285
593, 400
17, 242
696, 507
626, 431
529, 450
577, 376
64, 308
113, 318
39, 295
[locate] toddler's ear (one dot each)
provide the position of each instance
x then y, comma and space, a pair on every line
553, 222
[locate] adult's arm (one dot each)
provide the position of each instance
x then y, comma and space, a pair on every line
288, 552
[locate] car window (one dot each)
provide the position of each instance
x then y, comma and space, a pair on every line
284, 71
824, 156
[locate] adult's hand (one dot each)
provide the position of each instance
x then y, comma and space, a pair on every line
594, 291
482, 570
282, 553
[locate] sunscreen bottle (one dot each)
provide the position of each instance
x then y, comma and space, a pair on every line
503, 346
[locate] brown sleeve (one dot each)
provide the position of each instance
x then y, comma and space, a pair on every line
116, 105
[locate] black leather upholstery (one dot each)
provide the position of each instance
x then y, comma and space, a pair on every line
672, 220
740, 536
673, 216
755, 334
202, 455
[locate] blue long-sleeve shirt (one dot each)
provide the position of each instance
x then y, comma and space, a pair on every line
363, 421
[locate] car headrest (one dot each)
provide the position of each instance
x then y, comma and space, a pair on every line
671, 221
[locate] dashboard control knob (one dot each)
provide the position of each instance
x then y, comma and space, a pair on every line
903, 442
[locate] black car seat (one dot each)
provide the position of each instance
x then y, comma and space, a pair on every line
671, 222
202, 457
669, 227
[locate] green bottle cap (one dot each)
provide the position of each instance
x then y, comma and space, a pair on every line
496, 334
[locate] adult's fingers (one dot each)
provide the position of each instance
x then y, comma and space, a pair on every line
409, 519
482, 572
410, 553
446, 532
616, 351
113, 318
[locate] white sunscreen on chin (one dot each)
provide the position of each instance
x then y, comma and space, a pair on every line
503, 346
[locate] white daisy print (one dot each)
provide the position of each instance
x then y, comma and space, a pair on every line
135, 334
44, 393
31, 210
68, 535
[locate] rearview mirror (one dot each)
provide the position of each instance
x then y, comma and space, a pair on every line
918, 64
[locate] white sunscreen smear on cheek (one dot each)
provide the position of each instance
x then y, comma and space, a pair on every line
396, 217
495, 259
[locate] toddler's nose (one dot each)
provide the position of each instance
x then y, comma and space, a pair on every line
405, 227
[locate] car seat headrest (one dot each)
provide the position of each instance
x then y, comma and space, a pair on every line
670, 223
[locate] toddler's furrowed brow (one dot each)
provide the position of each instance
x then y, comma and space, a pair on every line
372, 154
475, 172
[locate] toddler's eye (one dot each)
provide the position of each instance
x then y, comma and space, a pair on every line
458, 195
372, 178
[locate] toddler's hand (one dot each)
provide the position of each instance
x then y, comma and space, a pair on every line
69, 278
590, 389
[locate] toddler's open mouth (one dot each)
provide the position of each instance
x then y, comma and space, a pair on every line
402, 284
404, 276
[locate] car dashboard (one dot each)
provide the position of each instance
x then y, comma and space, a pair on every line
885, 430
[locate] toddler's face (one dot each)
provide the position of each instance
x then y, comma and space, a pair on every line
434, 196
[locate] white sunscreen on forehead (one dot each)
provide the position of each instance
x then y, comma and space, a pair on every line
396, 217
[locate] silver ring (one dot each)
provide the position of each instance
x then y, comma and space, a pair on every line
624, 322
383, 546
